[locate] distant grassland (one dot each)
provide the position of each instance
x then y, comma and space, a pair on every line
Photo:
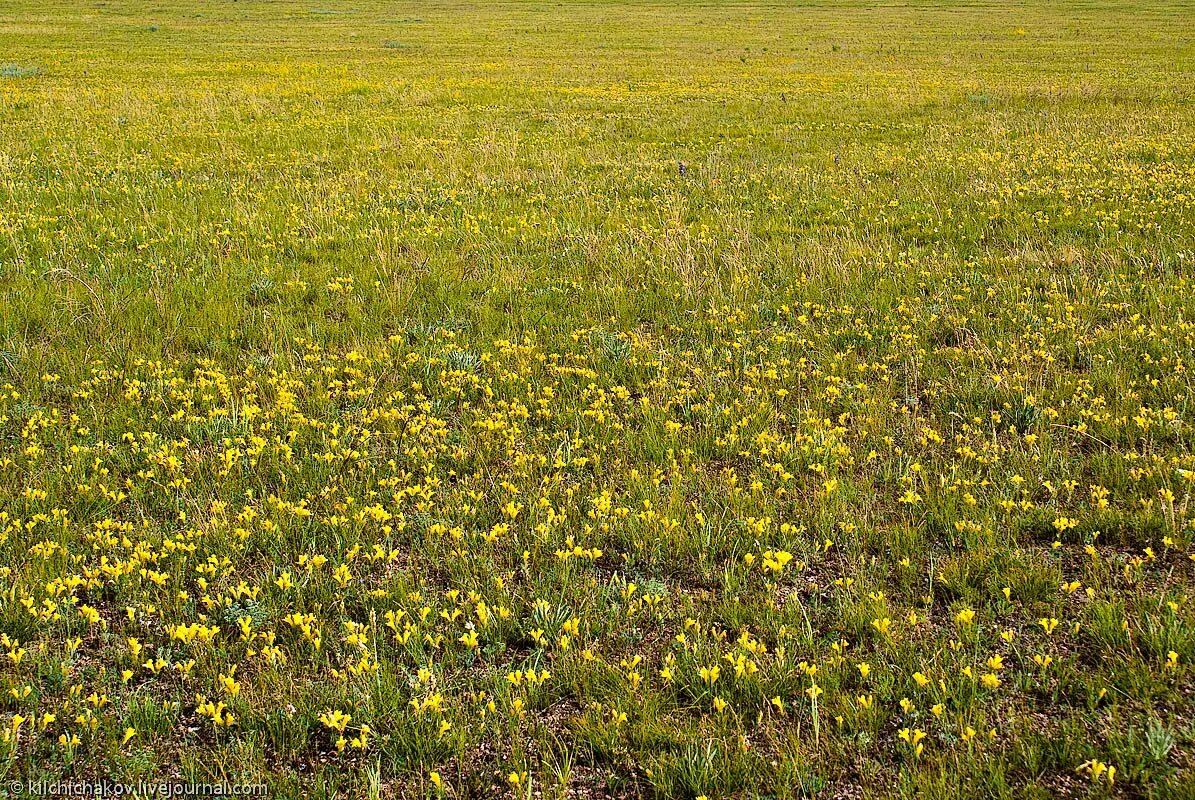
599, 399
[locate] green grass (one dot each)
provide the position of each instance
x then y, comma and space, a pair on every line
492, 373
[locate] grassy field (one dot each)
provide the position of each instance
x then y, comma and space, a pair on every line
579, 400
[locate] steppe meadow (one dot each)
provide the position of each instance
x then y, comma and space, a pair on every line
617, 399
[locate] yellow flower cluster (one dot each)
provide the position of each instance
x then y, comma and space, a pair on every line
725, 404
